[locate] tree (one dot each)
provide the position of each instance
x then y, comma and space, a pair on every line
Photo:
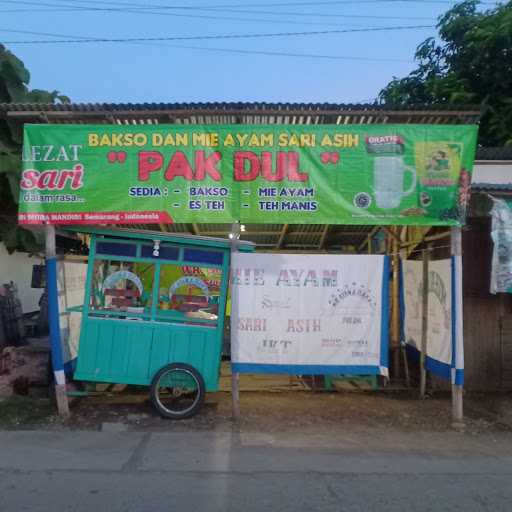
470, 63
14, 80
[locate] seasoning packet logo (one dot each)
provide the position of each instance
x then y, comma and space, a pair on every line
438, 166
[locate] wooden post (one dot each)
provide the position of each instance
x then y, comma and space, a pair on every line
424, 323
235, 392
456, 250
403, 256
53, 322
395, 305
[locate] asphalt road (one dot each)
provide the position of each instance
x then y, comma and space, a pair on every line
137, 471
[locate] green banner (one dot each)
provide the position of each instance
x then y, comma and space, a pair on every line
323, 174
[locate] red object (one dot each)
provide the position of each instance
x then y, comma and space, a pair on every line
85, 218
122, 297
119, 292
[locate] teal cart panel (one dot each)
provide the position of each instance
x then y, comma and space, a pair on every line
136, 318
131, 352
197, 346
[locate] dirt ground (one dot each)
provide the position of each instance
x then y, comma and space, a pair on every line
298, 411
269, 403
269, 411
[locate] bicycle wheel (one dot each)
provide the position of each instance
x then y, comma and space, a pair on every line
177, 391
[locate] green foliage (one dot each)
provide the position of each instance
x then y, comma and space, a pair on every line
15, 77
19, 239
470, 63
14, 88
25, 411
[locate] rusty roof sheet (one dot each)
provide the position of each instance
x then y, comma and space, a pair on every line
238, 113
286, 237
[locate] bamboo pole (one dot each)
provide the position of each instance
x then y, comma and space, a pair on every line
53, 322
431, 238
392, 232
395, 304
403, 256
456, 250
235, 390
368, 238
424, 323
439, 236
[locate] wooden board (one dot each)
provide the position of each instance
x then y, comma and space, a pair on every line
259, 382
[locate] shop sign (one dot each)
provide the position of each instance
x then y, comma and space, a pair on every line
319, 174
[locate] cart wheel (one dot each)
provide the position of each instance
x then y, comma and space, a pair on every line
177, 391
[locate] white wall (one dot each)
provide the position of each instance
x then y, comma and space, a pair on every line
492, 173
17, 267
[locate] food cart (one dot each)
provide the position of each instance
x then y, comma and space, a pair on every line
153, 314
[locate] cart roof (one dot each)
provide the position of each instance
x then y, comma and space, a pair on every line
180, 238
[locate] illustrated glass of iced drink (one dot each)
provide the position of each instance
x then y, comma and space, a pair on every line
389, 181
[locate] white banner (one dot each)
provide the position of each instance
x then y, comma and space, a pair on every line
305, 314
501, 234
71, 277
444, 342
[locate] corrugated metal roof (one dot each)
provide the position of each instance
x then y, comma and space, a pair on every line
149, 235
492, 175
238, 113
283, 236
506, 187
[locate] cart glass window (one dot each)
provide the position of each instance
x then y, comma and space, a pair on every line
189, 294
203, 256
116, 249
121, 287
164, 252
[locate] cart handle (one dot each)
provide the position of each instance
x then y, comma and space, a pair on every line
75, 309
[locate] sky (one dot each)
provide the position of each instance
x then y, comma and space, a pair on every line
217, 69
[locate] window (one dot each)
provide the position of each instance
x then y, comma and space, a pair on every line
202, 256
116, 249
121, 288
165, 252
189, 294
